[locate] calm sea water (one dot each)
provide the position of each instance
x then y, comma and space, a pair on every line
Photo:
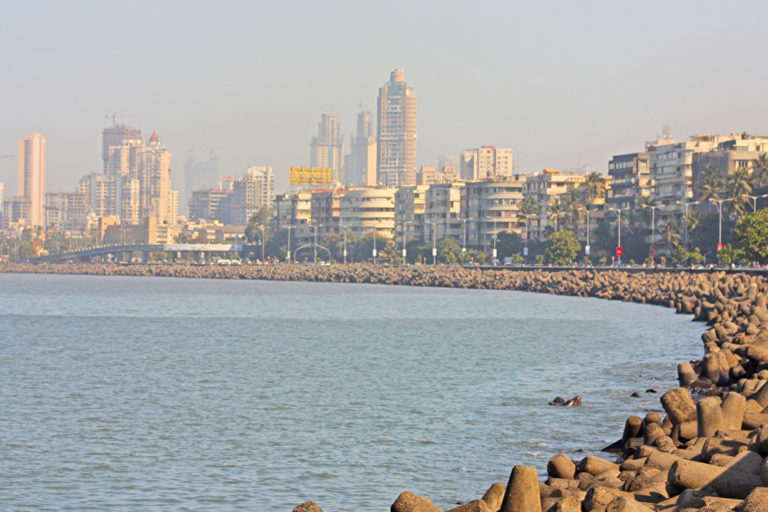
165, 394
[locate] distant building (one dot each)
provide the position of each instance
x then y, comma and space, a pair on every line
360, 165
32, 178
208, 204
396, 133
442, 211
327, 148
155, 181
200, 174
368, 209
325, 210
492, 206
117, 136
545, 187
249, 194
410, 203
486, 162
630, 180
66, 211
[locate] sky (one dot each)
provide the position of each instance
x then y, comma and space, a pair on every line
567, 84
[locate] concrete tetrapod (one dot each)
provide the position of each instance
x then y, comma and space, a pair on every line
522, 491
727, 483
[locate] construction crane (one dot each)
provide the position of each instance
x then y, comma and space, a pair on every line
114, 115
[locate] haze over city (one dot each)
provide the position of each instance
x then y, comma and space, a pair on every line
566, 85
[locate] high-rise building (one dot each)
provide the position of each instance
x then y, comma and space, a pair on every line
360, 165
32, 177
200, 174
117, 136
155, 181
249, 194
327, 149
396, 132
487, 162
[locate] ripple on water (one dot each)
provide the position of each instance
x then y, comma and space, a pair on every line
136, 393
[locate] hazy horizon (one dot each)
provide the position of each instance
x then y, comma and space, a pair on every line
566, 85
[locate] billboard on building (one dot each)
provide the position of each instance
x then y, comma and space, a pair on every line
310, 176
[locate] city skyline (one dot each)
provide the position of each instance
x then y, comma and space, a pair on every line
602, 78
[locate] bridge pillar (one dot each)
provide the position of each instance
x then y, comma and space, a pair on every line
144, 256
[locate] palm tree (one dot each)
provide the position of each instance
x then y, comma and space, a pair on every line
760, 172
712, 184
529, 207
573, 205
595, 183
738, 188
670, 233
555, 210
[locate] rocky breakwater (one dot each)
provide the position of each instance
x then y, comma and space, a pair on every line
710, 450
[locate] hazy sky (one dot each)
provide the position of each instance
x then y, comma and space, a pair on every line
564, 83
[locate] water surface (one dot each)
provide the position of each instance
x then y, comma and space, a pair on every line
135, 393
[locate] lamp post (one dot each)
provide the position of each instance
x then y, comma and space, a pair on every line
263, 243
754, 201
618, 247
374, 245
289, 243
404, 249
314, 260
494, 243
344, 252
434, 242
720, 220
653, 230
685, 220
586, 247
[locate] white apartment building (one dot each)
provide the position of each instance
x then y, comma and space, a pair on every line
442, 211
486, 162
368, 209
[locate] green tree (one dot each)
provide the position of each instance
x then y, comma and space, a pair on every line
562, 248
595, 186
556, 210
670, 233
751, 234
448, 251
738, 187
712, 184
253, 229
759, 176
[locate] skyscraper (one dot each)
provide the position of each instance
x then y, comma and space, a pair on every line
155, 181
327, 149
32, 178
396, 132
361, 164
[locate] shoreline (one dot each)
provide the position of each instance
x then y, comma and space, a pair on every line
707, 453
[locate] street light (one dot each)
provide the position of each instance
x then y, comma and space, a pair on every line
263, 242
434, 242
685, 219
404, 249
494, 243
289, 243
345, 243
754, 200
374, 245
618, 247
720, 221
586, 247
653, 230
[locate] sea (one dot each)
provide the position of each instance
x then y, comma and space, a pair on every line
149, 393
